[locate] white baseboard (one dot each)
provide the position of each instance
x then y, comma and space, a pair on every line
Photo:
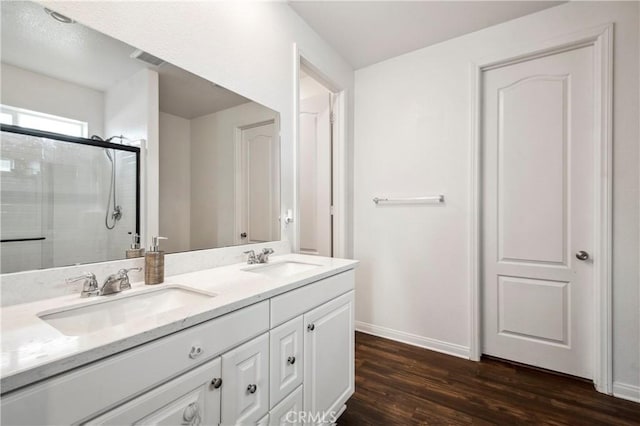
413, 339
625, 391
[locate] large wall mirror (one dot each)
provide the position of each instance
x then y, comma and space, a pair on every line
86, 122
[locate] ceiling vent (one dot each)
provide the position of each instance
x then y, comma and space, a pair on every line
147, 58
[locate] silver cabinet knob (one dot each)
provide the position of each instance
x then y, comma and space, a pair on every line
195, 351
291, 360
582, 255
216, 383
252, 388
311, 327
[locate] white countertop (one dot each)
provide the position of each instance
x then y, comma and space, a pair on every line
32, 350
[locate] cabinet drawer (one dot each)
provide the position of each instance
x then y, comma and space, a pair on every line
190, 399
289, 411
245, 382
90, 390
296, 302
285, 359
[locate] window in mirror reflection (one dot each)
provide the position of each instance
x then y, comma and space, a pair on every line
41, 121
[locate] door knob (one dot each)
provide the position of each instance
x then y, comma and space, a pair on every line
311, 327
243, 235
216, 383
291, 360
582, 255
252, 388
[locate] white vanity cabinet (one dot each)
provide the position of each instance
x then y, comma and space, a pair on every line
287, 361
291, 353
329, 357
245, 380
191, 399
289, 411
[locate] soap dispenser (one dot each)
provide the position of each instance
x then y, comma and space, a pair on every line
154, 263
135, 250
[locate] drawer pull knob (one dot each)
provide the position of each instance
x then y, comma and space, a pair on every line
291, 360
252, 388
311, 327
195, 352
191, 415
216, 383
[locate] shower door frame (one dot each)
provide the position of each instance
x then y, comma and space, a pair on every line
84, 141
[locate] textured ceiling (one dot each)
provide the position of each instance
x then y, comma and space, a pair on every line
33, 40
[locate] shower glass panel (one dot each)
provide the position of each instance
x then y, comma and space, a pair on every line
58, 199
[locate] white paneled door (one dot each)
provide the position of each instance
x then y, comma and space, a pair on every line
258, 185
538, 144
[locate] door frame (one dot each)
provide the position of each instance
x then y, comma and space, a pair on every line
339, 157
238, 173
601, 38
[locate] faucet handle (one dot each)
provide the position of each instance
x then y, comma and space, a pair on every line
84, 276
90, 285
123, 275
252, 257
126, 271
264, 256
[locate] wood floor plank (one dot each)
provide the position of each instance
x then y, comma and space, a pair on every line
402, 384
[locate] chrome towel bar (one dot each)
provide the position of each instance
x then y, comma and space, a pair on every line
411, 200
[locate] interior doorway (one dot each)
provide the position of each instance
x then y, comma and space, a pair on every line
316, 133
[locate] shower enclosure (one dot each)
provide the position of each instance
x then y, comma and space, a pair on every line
65, 200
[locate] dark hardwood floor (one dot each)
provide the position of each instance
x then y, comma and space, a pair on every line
402, 384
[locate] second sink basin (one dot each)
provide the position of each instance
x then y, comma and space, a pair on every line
77, 321
281, 269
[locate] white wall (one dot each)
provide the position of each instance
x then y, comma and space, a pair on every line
213, 172
131, 110
246, 47
175, 182
26, 89
412, 135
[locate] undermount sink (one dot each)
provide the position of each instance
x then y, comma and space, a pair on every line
282, 269
77, 321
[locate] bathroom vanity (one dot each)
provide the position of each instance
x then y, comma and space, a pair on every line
244, 344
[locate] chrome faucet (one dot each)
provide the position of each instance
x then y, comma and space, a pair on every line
251, 259
89, 286
264, 256
115, 283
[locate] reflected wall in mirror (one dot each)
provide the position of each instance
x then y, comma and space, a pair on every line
217, 152
219, 165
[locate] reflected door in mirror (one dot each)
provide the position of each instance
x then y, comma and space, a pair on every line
259, 183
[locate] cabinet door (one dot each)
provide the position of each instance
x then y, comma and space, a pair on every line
191, 399
289, 411
329, 357
245, 377
285, 359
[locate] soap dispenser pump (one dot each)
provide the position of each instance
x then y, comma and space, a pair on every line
154, 263
135, 250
